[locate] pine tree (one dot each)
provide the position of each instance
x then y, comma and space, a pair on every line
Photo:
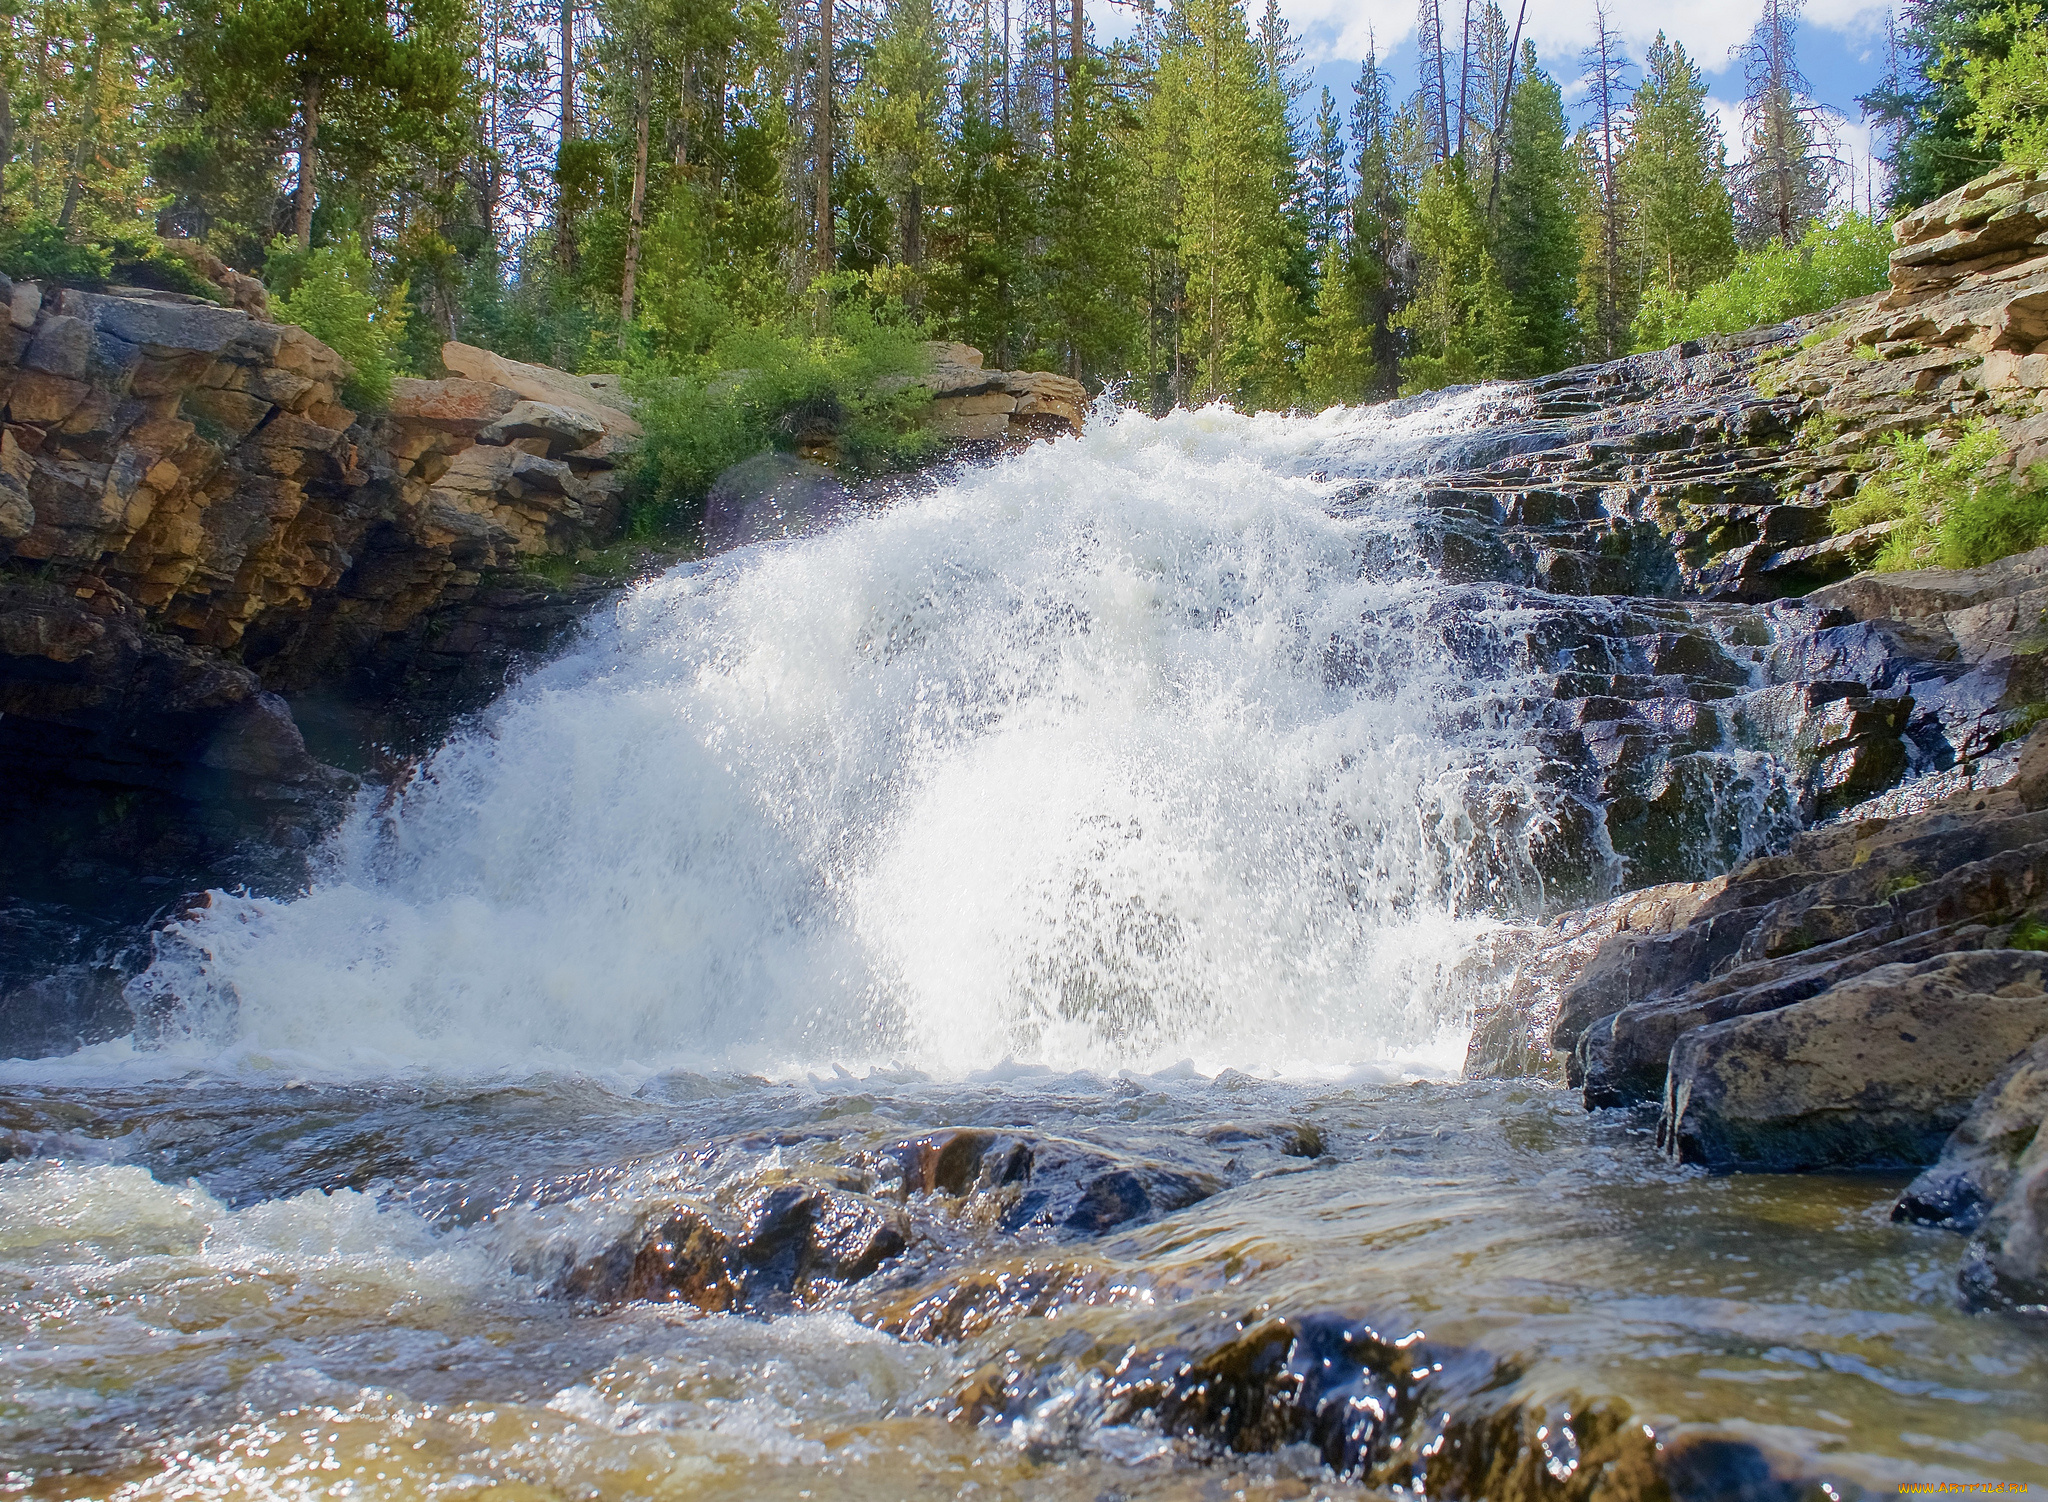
1607, 302
1926, 104
352, 67
1327, 188
1782, 183
1433, 97
1231, 218
895, 112
1535, 231
1461, 322
1376, 264
1672, 177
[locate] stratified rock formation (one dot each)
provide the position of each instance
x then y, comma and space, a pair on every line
192, 523
969, 402
1877, 983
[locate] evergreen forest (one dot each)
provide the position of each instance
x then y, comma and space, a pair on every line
1151, 201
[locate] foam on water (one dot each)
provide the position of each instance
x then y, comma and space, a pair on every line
1114, 753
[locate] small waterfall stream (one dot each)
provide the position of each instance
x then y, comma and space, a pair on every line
969, 1004
1125, 750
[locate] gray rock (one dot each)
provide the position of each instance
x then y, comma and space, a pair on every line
1876, 1070
1933, 591
170, 326
1978, 1161
1624, 1059
564, 430
768, 496
62, 346
2007, 1263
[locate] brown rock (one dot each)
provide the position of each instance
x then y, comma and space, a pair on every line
230, 415
42, 398
1979, 1159
454, 405
599, 397
1876, 1070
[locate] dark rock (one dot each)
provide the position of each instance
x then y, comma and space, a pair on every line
1876, 1070
769, 496
61, 346
2006, 1266
1055, 1183
1978, 1160
789, 1246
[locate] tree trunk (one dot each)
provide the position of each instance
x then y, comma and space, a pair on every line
309, 168
1500, 119
1443, 94
1464, 76
636, 213
822, 130
74, 183
1077, 45
913, 228
565, 215
6, 134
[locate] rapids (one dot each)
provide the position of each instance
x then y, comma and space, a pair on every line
1149, 797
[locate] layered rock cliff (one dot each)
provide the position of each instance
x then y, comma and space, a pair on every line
192, 525
1869, 992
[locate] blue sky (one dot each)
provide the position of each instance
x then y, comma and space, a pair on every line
1841, 46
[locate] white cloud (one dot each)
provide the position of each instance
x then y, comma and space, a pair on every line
1864, 178
1729, 117
1561, 29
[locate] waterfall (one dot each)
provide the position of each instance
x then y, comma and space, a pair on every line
1130, 748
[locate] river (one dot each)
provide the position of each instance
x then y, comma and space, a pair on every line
1033, 930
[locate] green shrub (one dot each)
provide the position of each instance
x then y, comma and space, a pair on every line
1838, 259
1951, 505
331, 293
37, 250
755, 388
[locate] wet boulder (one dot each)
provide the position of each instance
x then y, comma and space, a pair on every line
788, 1246
2007, 1263
1876, 1070
1335, 1384
1979, 1159
1053, 1183
771, 496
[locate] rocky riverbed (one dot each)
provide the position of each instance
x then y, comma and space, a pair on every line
1279, 746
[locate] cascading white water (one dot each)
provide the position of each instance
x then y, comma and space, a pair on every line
1113, 753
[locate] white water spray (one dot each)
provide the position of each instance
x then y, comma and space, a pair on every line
1113, 753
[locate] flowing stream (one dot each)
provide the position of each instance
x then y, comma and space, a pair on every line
1148, 798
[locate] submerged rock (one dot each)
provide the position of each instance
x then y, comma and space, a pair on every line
1069, 1187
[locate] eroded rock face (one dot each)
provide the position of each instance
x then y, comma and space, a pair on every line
970, 403
191, 523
